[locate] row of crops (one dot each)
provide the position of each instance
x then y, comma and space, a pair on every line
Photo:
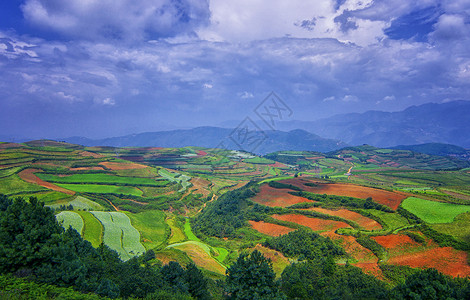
116, 231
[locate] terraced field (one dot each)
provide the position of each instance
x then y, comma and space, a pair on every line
119, 234
69, 218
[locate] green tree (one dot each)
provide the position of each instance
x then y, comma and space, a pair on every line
252, 277
196, 282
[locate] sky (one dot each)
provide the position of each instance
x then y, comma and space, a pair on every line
101, 68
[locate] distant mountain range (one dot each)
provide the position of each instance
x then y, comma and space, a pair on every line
447, 123
428, 123
259, 142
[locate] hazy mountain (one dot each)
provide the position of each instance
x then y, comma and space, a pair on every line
438, 149
258, 142
428, 123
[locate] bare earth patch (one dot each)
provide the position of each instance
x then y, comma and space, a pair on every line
28, 176
270, 229
272, 197
122, 166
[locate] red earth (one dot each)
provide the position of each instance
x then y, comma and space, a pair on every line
390, 199
272, 197
364, 222
406, 252
270, 229
313, 223
28, 176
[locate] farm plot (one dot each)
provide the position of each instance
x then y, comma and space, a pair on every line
115, 166
390, 199
176, 177
313, 223
432, 211
17, 183
102, 189
362, 257
272, 197
78, 202
270, 229
69, 218
119, 234
151, 224
404, 251
92, 230
200, 254
364, 222
102, 178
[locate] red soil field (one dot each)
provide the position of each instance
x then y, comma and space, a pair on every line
201, 153
406, 252
28, 176
364, 222
122, 166
445, 259
88, 153
278, 165
313, 223
393, 241
367, 261
390, 199
86, 168
270, 229
277, 197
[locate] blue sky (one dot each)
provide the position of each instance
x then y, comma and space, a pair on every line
100, 68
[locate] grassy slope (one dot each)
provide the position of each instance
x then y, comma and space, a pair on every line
151, 225
100, 189
69, 218
432, 211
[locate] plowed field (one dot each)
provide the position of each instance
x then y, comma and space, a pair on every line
390, 199
362, 221
28, 176
270, 229
313, 223
277, 197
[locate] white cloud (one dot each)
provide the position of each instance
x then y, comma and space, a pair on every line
389, 98
451, 27
246, 95
350, 98
207, 86
327, 99
108, 101
119, 20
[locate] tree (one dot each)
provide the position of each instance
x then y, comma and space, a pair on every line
252, 277
196, 282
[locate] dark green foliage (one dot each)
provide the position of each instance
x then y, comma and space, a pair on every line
251, 277
196, 282
372, 245
442, 239
416, 237
304, 244
316, 279
395, 273
28, 231
342, 201
223, 217
412, 218
280, 185
430, 284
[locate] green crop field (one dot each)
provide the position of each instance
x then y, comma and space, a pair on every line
393, 220
92, 230
432, 211
151, 225
188, 232
177, 234
119, 234
101, 188
49, 198
101, 178
459, 229
13, 185
69, 218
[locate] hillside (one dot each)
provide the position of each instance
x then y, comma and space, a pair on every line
438, 149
